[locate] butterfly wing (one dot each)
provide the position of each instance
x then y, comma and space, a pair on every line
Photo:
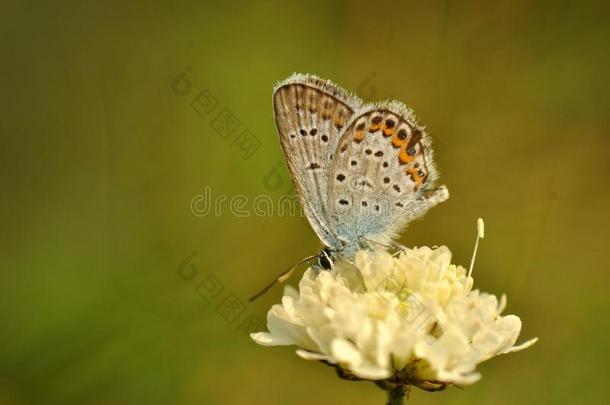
311, 114
382, 175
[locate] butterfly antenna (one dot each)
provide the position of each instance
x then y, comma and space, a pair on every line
480, 235
282, 277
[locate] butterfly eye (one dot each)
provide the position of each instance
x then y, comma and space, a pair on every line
324, 259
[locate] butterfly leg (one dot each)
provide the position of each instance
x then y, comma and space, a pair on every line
399, 248
390, 245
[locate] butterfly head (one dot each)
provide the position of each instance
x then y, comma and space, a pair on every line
326, 258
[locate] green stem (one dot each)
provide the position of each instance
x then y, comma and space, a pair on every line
396, 396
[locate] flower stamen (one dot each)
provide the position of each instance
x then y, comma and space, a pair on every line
480, 235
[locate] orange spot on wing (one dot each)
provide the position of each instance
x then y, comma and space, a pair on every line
374, 128
415, 177
358, 136
403, 156
388, 131
397, 142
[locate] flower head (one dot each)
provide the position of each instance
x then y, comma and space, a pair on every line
411, 318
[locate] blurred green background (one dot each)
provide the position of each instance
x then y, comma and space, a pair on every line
102, 154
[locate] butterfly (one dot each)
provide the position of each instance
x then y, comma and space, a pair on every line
362, 171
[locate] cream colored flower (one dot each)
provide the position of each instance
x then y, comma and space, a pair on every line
411, 318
